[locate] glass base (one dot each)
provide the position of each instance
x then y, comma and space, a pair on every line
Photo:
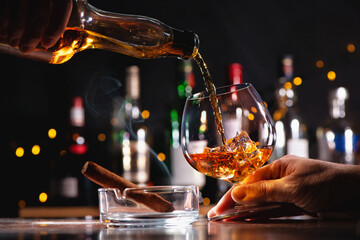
153, 220
245, 211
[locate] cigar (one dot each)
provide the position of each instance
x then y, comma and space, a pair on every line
108, 179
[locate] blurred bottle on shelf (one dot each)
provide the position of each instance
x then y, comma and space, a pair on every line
70, 187
291, 131
129, 138
182, 172
338, 139
136, 36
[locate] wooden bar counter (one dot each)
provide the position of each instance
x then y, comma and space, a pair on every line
78, 229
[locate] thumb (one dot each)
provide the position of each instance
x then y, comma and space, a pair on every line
262, 191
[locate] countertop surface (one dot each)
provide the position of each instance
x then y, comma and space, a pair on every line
87, 229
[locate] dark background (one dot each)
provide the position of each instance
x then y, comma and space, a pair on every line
36, 96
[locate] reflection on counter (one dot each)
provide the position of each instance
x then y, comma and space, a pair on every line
281, 229
189, 233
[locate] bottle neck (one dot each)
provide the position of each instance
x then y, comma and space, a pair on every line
175, 128
186, 82
78, 144
337, 108
185, 44
132, 92
287, 67
235, 73
77, 113
286, 98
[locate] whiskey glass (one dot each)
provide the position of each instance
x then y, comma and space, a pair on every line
248, 128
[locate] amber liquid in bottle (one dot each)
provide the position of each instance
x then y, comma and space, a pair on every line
76, 39
132, 35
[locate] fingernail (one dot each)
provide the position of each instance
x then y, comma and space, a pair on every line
238, 194
211, 213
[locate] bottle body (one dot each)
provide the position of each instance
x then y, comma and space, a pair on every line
291, 130
134, 148
136, 36
291, 133
338, 140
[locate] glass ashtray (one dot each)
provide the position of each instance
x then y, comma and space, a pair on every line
121, 210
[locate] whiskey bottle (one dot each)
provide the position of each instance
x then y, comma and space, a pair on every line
134, 147
71, 187
291, 131
136, 36
338, 139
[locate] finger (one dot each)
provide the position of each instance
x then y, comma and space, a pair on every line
221, 206
225, 203
262, 191
60, 16
17, 22
211, 213
39, 17
263, 173
274, 170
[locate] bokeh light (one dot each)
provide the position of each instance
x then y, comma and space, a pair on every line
145, 114
206, 201
319, 63
350, 48
161, 156
52, 133
297, 81
101, 137
331, 75
35, 149
43, 197
19, 152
